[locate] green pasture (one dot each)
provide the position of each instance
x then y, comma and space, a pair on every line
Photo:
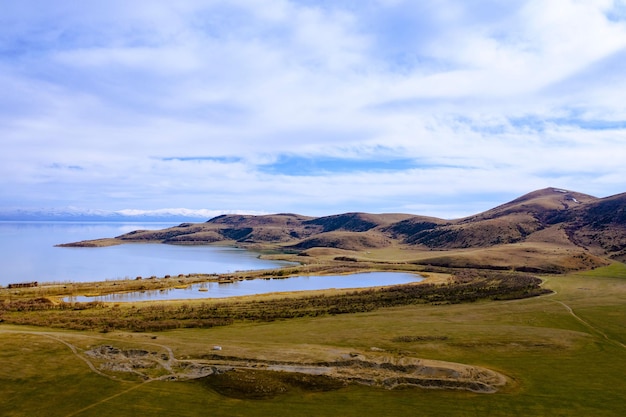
559, 363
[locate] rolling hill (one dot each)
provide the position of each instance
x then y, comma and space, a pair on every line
549, 230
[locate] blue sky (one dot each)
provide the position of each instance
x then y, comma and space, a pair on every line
440, 107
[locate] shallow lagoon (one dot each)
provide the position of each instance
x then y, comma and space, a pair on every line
261, 286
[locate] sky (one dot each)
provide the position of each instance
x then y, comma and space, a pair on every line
443, 108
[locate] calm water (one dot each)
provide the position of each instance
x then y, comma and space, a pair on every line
262, 286
27, 253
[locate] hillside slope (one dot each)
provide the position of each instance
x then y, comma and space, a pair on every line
564, 229
599, 226
511, 222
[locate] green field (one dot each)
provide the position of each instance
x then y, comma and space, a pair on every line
564, 353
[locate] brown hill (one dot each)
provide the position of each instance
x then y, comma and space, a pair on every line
354, 241
560, 229
341, 231
357, 222
536, 203
599, 226
274, 228
550, 230
511, 222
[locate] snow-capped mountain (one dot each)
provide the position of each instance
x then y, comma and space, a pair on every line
81, 214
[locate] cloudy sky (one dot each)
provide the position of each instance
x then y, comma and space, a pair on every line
435, 107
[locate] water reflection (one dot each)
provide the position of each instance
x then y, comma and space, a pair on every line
260, 286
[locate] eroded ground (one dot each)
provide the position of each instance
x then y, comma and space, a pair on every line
376, 369
251, 377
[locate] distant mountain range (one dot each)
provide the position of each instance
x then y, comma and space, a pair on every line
549, 230
78, 214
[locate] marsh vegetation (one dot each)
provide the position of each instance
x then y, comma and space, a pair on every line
464, 286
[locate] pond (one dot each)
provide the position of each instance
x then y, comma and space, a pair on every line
261, 286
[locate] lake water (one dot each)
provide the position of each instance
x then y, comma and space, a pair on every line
261, 286
27, 253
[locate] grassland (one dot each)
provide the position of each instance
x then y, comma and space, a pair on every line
564, 355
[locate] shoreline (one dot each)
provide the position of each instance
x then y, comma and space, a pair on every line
58, 290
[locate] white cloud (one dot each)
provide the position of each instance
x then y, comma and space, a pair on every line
486, 97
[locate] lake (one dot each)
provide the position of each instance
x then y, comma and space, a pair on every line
27, 253
260, 286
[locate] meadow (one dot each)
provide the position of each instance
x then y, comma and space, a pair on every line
564, 355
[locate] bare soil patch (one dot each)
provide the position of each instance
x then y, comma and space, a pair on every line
256, 379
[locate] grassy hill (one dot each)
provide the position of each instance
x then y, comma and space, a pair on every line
549, 230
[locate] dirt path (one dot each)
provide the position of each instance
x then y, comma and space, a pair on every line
580, 319
73, 348
92, 367
589, 325
102, 401
166, 364
169, 364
